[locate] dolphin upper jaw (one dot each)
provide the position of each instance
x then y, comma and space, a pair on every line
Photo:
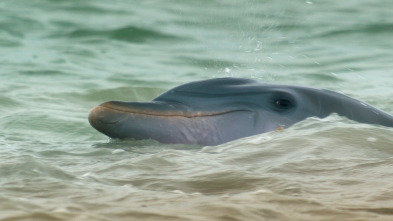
159, 109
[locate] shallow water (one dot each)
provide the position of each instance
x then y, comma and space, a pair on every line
61, 58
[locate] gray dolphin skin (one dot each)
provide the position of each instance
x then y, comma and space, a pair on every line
216, 111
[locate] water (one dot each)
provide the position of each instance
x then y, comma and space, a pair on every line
61, 58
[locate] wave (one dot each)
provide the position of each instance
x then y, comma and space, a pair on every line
369, 29
130, 34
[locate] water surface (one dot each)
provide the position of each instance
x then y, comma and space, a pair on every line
61, 58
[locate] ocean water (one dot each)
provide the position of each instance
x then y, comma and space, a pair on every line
60, 58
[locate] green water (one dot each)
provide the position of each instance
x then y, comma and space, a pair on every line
61, 58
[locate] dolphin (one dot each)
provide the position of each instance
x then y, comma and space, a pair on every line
216, 111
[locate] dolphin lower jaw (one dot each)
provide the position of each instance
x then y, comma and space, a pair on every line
202, 128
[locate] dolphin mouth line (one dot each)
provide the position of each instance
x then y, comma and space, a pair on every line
166, 113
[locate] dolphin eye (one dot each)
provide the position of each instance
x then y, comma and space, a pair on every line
282, 102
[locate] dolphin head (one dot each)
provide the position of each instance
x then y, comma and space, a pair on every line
216, 111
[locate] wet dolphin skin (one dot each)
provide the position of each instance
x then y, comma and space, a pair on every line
216, 111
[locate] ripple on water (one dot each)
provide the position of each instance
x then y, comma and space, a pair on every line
8, 102
132, 34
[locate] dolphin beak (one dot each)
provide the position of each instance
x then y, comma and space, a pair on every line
120, 119
112, 112
168, 122
107, 117
101, 115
